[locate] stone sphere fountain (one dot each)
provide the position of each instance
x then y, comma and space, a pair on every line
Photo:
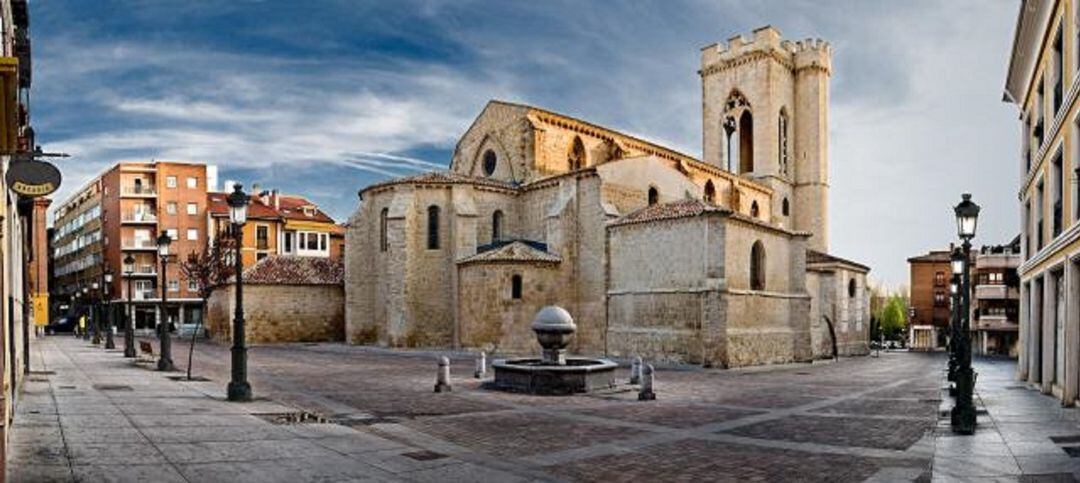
554, 373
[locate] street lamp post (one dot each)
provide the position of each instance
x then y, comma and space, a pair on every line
963, 413
96, 310
956, 262
109, 342
86, 305
165, 362
239, 389
129, 322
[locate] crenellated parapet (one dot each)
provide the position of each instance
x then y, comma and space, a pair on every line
765, 43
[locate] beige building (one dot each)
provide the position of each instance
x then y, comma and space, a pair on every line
1042, 83
720, 261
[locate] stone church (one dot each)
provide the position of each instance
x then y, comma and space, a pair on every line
721, 261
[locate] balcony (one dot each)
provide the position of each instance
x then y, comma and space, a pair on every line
138, 244
138, 218
148, 270
138, 192
144, 295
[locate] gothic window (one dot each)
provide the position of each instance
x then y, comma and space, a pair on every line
490, 161
710, 192
782, 141
785, 207
577, 154
654, 195
746, 142
754, 211
851, 288
757, 266
433, 227
496, 225
515, 287
383, 243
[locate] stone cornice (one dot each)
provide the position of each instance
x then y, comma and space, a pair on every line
746, 59
1051, 249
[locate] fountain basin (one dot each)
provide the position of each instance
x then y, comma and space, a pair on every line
535, 376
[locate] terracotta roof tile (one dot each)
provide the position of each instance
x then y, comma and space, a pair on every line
294, 270
814, 256
217, 206
292, 207
667, 211
515, 251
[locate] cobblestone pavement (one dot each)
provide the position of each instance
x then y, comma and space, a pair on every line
858, 419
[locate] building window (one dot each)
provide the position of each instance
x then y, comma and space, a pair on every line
939, 279
170, 208
1037, 133
785, 208
757, 266
192, 234
192, 286
170, 182
1058, 175
851, 288
515, 287
577, 154
289, 239
174, 286
782, 141
383, 241
262, 237
754, 210
496, 225
322, 241
193, 183
1058, 70
940, 299
433, 227
312, 241
1040, 200
654, 195
192, 209
710, 192
746, 142
173, 234
490, 162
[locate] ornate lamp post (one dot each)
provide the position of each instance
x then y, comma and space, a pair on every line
956, 261
963, 413
239, 389
165, 362
95, 309
109, 342
128, 318
78, 312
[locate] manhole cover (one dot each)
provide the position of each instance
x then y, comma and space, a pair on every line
193, 378
298, 417
424, 455
1072, 438
111, 387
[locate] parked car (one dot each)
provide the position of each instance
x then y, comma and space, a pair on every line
64, 323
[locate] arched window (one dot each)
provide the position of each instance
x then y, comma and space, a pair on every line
851, 286
757, 266
490, 162
577, 154
384, 244
710, 192
496, 225
654, 196
515, 287
433, 227
785, 208
746, 142
782, 141
731, 148
754, 210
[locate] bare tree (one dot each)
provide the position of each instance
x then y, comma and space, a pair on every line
208, 268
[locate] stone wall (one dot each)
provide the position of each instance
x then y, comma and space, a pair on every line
280, 313
491, 319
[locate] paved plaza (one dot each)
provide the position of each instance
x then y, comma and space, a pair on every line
90, 415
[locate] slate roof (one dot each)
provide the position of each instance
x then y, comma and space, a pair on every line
514, 252
294, 270
814, 256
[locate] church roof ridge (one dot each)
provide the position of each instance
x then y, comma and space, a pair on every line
513, 251
669, 211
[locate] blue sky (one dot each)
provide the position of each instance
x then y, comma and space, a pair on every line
324, 97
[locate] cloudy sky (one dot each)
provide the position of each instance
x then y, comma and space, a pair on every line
324, 97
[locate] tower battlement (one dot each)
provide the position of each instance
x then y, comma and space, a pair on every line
767, 39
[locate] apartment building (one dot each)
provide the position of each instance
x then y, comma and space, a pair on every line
121, 213
995, 302
280, 224
929, 312
1042, 82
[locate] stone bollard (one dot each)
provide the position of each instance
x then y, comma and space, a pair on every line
635, 371
646, 393
442, 378
481, 366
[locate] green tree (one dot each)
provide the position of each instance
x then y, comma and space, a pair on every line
893, 318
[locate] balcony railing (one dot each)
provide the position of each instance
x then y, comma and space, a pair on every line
144, 270
138, 244
144, 295
139, 191
140, 218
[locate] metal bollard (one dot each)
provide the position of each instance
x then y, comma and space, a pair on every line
481, 366
442, 378
635, 371
646, 393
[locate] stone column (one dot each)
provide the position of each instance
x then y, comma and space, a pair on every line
1072, 334
1022, 338
1034, 333
1046, 321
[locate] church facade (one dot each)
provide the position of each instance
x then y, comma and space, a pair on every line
720, 261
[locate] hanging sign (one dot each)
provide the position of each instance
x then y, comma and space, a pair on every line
32, 179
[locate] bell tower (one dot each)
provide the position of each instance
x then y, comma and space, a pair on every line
765, 117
